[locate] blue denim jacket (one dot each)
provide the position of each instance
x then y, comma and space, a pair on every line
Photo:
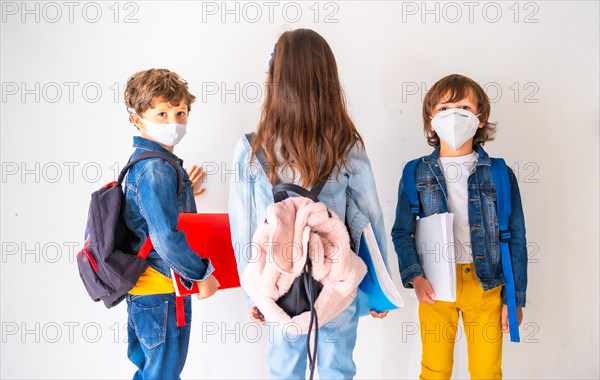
152, 208
485, 243
351, 194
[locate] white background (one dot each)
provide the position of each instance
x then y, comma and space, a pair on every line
537, 60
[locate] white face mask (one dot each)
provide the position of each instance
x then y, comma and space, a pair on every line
166, 134
455, 126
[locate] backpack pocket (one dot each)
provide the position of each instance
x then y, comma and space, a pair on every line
89, 273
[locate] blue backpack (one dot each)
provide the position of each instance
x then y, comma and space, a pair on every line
503, 208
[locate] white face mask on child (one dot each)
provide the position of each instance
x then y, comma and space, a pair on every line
166, 134
455, 126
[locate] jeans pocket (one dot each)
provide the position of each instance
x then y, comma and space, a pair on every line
149, 321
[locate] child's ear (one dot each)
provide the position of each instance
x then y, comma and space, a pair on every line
135, 119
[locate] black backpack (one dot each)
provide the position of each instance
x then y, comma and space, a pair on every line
107, 266
303, 293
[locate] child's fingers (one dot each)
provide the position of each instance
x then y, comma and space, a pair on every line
429, 290
201, 173
429, 293
381, 315
504, 320
256, 315
195, 172
199, 191
423, 297
427, 299
190, 171
520, 314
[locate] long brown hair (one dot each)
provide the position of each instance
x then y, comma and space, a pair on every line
304, 115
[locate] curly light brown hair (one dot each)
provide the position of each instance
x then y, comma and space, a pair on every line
146, 88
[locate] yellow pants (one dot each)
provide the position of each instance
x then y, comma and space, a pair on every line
481, 312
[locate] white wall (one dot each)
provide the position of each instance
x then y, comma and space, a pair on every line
57, 147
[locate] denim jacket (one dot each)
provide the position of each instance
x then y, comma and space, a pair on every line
152, 208
351, 194
483, 222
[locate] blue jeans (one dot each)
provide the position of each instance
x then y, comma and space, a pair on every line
156, 345
287, 352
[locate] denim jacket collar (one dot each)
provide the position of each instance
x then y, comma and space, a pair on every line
141, 143
482, 160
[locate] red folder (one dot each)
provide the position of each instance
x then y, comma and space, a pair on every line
209, 236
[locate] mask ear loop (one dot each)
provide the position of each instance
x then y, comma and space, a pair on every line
131, 111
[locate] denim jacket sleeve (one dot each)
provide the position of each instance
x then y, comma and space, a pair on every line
242, 218
363, 203
404, 241
157, 199
518, 242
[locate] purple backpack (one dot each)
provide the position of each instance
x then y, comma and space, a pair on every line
107, 266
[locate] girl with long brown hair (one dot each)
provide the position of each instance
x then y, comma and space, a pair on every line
307, 136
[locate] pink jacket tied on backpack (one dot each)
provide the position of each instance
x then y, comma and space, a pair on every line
296, 229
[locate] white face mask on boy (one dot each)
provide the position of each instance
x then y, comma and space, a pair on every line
166, 134
455, 126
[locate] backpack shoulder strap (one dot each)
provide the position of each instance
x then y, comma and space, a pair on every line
410, 186
261, 156
502, 184
146, 155
503, 208
316, 190
280, 189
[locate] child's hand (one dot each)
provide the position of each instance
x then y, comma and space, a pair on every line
377, 315
256, 315
423, 289
196, 175
207, 287
504, 318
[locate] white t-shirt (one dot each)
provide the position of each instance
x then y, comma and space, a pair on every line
456, 172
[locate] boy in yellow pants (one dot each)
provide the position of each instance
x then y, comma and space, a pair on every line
457, 178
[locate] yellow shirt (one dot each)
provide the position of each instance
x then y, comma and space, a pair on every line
152, 282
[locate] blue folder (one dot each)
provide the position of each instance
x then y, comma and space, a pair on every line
377, 287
